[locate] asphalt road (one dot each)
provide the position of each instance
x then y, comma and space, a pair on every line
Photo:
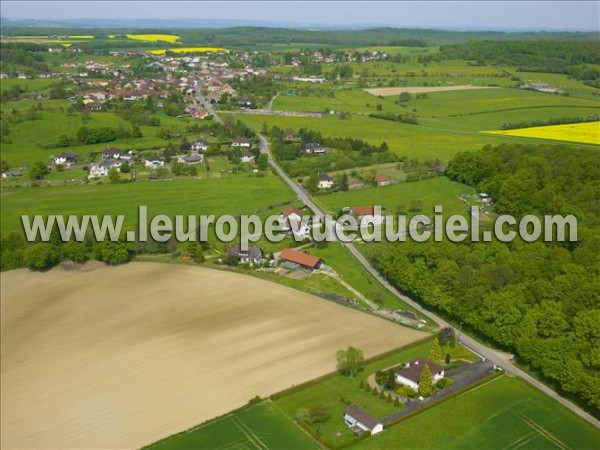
499, 358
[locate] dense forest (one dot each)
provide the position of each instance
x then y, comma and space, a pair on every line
538, 300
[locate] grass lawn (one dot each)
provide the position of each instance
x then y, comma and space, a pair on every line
432, 191
392, 170
353, 273
334, 392
259, 426
570, 85
411, 141
239, 194
350, 100
506, 413
29, 85
453, 103
25, 139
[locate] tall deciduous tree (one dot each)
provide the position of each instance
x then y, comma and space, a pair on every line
350, 361
37, 170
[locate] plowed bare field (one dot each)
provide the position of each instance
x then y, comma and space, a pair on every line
423, 89
119, 357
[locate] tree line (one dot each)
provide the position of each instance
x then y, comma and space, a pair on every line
571, 57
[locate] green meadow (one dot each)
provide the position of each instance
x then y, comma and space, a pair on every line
411, 141
258, 426
350, 100
431, 192
28, 85
464, 103
25, 139
239, 194
353, 273
570, 85
505, 413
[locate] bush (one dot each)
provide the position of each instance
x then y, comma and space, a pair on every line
113, 252
255, 400
37, 170
444, 382
199, 256
74, 251
318, 414
41, 256
405, 391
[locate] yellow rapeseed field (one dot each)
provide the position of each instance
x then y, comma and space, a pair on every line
188, 50
153, 37
585, 133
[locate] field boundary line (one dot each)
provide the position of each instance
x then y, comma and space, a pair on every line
525, 439
247, 431
542, 431
297, 425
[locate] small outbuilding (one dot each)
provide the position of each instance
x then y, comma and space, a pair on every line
360, 421
383, 180
325, 181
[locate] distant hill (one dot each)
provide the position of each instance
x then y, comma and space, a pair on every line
239, 33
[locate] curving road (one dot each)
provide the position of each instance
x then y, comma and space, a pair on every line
499, 358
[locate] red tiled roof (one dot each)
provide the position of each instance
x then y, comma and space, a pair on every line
363, 210
380, 178
296, 257
291, 210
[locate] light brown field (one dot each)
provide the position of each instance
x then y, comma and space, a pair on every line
120, 357
385, 92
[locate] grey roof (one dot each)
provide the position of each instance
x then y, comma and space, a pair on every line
415, 367
192, 158
109, 163
362, 416
67, 155
539, 85
111, 152
154, 158
314, 145
252, 252
324, 177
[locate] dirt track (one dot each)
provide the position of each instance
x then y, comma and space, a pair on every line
120, 357
423, 89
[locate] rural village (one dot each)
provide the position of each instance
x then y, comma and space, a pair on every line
298, 343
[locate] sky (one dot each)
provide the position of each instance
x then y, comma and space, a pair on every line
522, 15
